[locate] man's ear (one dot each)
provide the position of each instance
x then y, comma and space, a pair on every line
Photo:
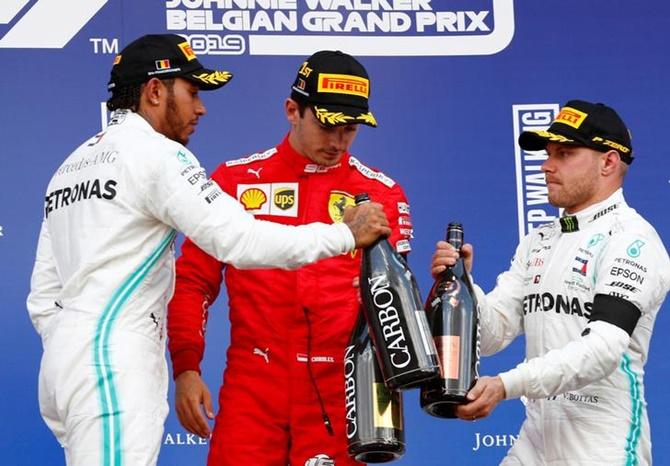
153, 90
292, 111
611, 161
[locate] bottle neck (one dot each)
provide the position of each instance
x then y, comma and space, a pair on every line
458, 268
455, 238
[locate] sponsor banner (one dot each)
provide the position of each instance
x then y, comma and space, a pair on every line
183, 438
484, 440
47, 24
533, 208
360, 27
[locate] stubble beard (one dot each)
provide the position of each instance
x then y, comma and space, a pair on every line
578, 193
173, 120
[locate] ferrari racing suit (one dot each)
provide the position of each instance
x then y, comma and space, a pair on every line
585, 291
103, 276
289, 329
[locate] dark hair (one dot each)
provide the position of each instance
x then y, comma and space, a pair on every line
129, 96
302, 106
125, 97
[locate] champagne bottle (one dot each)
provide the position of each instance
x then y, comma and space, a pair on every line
398, 325
375, 431
453, 315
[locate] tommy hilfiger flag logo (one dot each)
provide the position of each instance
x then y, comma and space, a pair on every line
162, 64
581, 267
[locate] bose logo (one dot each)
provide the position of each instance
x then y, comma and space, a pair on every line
48, 24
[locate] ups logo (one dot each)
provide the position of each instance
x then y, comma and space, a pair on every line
284, 198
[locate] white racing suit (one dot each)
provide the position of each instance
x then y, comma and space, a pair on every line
103, 276
586, 301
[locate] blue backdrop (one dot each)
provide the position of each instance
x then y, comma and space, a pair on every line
453, 82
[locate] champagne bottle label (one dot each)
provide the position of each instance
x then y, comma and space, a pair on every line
392, 328
386, 412
449, 352
350, 391
453, 290
424, 330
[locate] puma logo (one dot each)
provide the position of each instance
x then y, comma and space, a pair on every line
263, 354
255, 172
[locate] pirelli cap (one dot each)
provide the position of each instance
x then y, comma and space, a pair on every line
581, 123
336, 86
162, 56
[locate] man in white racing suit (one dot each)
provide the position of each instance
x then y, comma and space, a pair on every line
104, 267
585, 291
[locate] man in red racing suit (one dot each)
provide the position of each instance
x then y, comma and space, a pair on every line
282, 399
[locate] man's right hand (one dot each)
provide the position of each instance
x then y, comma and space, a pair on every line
367, 222
446, 256
191, 392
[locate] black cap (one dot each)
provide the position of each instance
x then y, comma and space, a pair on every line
336, 86
581, 123
162, 56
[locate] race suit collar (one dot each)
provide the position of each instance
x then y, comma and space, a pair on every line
302, 164
581, 219
131, 118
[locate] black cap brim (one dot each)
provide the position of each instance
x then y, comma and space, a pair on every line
538, 140
208, 80
336, 115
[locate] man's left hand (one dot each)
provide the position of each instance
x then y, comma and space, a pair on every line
484, 396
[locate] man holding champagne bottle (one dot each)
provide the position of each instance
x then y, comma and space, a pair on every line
104, 264
585, 290
282, 400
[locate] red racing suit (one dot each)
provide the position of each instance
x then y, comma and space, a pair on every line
289, 329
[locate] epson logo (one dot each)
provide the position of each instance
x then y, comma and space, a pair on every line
350, 391
389, 319
46, 24
627, 274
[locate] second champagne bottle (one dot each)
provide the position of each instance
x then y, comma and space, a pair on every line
394, 312
453, 314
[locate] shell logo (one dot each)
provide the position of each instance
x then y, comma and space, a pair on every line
253, 199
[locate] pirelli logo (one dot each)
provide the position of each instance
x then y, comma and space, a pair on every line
187, 50
571, 117
344, 84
